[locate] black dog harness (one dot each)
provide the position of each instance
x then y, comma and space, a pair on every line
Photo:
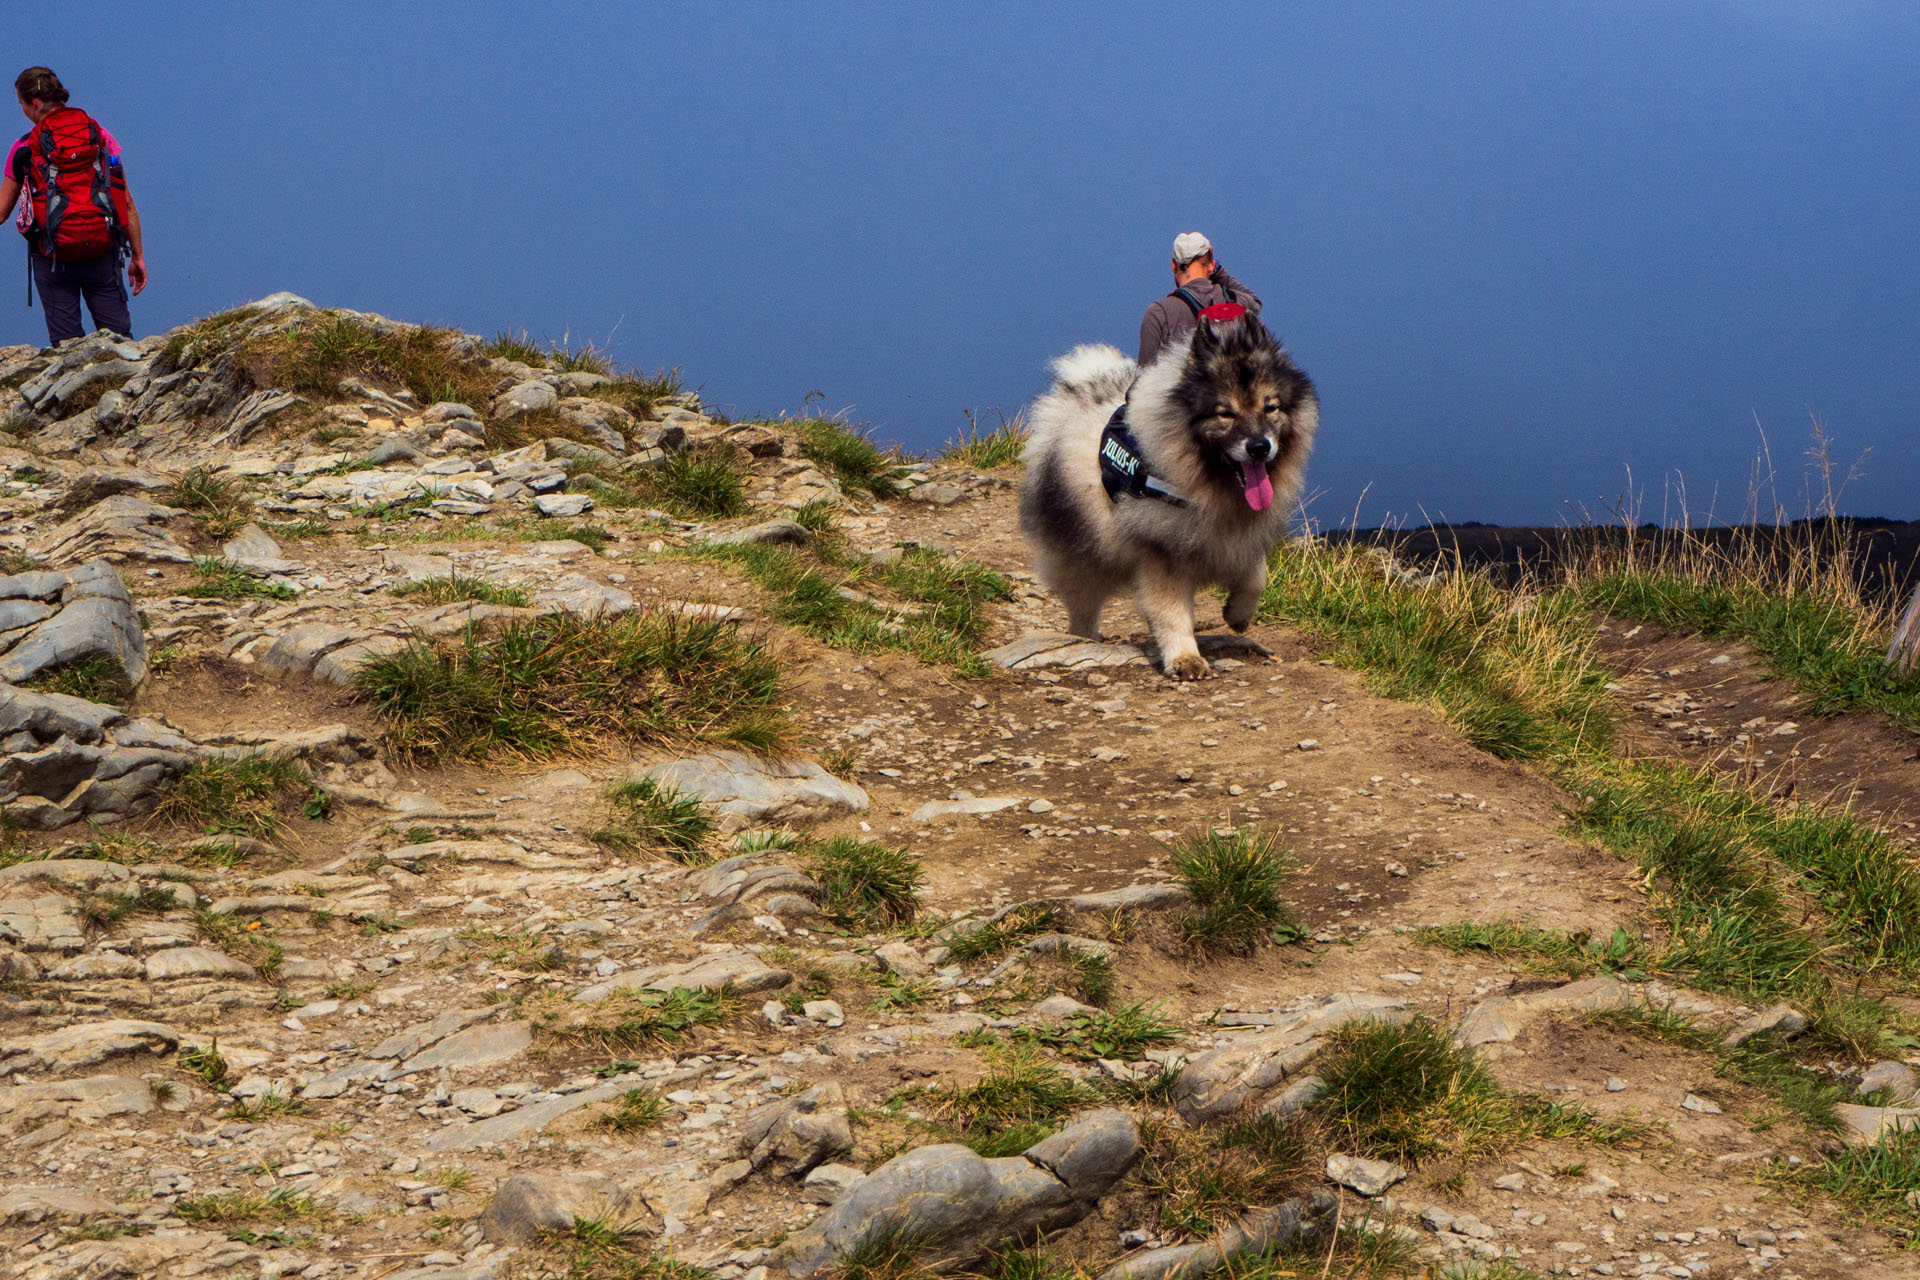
1123, 469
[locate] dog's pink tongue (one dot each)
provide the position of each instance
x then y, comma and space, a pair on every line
1259, 484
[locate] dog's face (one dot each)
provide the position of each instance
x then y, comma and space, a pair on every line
1241, 392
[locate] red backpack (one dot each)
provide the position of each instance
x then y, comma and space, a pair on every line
78, 195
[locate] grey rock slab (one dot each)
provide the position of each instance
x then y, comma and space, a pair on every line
85, 1101
776, 532
96, 619
527, 397
969, 806
29, 1206
562, 505
475, 1047
1368, 1177
121, 527
1136, 897
340, 666
829, 1183
1778, 1019
87, 1044
293, 653
85, 874
745, 972
407, 567
45, 922
164, 1253
746, 791
577, 593
1863, 1126
517, 1126
1228, 1078
1896, 1079
795, 1134
541, 1200
196, 962
1498, 1019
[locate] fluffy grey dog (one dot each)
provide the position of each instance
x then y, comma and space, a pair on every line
1189, 485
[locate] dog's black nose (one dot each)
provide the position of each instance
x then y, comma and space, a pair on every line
1259, 448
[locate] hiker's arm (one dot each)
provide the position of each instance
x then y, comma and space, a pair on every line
9, 195
1248, 298
137, 265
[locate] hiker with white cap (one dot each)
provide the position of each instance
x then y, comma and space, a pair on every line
1198, 284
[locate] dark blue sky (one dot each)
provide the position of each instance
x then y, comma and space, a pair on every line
1527, 250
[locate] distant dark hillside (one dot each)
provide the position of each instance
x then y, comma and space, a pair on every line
1883, 552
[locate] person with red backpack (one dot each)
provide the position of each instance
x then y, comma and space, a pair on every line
74, 208
1199, 284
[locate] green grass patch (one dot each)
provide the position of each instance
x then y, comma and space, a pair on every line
220, 504
96, 678
1235, 879
1124, 1033
634, 1111
201, 340
207, 1063
312, 355
218, 580
1002, 446
519, 347
1881, 1180
1020, 1100
865, 885
1024, 921
630, 1019
455, 587
698, 483
1406, 1092
643, 815
511, 529
544, 686
1201, 1180
1542, 950
848, 455
830, 596
244, 796
1758, 900
1518, 683
247, 1206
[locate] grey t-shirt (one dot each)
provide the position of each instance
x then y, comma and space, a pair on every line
1171, 318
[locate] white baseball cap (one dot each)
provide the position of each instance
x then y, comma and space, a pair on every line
1189, 245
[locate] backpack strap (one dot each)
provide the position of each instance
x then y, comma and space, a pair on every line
1186, 295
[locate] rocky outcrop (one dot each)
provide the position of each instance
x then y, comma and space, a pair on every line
51, 619
68, 758
964, 1206
746, 791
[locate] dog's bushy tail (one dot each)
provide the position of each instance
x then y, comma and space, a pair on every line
1094, 374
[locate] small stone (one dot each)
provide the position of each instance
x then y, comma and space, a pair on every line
1510, 1182
1705, 1106
1616, 1085
1307, 744
1040, 806
563, 504
1368, 1177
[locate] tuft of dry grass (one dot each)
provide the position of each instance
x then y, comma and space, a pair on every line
546, 686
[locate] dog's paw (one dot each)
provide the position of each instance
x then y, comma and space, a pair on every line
1189, 666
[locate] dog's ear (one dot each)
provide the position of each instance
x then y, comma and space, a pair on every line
1205, 341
